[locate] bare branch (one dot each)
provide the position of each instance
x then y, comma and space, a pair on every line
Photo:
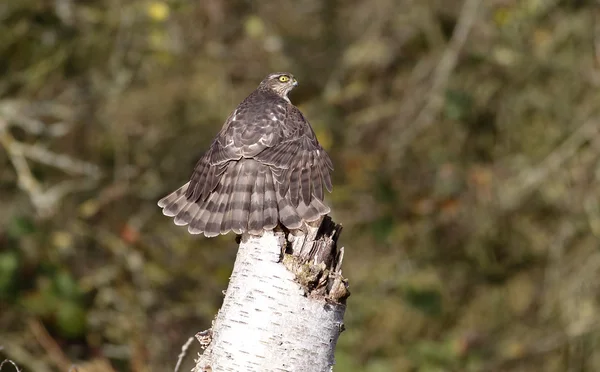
514, 190
184, 353
42, 155
9, 362
26, 179
46, 341
434, 104
20, 114
25, 115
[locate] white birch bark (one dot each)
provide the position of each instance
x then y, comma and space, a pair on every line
271, 322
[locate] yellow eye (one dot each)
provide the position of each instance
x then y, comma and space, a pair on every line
284, 78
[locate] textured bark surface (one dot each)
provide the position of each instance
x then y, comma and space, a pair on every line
283, 311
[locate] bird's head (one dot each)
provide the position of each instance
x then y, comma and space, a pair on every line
281, 82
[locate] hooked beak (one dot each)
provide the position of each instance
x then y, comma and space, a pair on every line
295, 83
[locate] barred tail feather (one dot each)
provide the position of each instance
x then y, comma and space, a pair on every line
305, 178
174, 202
198, 178
247, 198
186, 215
317, 184
211, 212
326, 177
321, 207
257, 201
228, 214
205, 188
288, 215
241, 195
313, 211
294, 181
270, 203
213, 227
198, 222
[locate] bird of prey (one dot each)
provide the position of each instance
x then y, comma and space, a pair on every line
264, 167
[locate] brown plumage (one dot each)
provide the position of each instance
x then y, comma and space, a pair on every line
265, 166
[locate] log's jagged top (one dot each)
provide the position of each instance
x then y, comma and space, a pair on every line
316, 261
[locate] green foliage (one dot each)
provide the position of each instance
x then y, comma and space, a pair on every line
458, 105
71, 319
426, 300
65, 286
20, 226
9, 266
59, 301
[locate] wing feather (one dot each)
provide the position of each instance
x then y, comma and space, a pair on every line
270, 206
228, 213
317, 180
305, 177
257, 201
292, 184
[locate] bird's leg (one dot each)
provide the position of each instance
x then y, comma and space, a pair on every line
280, 228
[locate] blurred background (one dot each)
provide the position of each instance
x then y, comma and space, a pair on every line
465, 136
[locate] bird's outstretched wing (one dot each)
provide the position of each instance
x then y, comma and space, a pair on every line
300, 165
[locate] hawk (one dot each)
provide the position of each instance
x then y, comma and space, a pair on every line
264, 167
